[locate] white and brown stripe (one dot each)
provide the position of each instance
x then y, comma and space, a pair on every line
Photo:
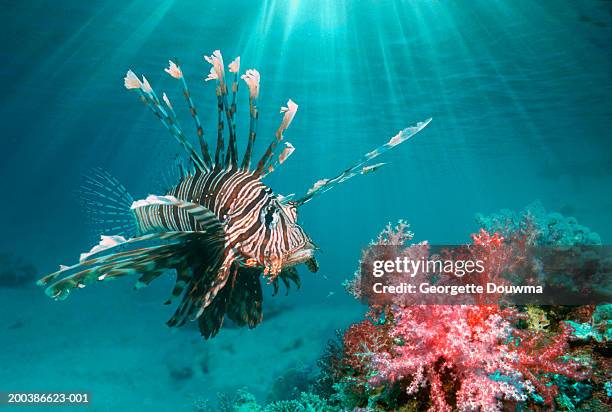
255, 222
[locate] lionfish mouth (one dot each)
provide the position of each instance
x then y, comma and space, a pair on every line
300, 255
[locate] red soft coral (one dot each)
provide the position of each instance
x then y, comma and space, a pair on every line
361, 341
538, 356
476, 349
435, 342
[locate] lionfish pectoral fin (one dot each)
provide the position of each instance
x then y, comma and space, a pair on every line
211, 319
312, 265
240, 299
205, 287
286, 275
190, 307
147, 256
167, 214
184, 273
110, 248
360, 166
246, 299
107, 203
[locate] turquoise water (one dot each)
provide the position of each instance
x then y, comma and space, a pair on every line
520, 96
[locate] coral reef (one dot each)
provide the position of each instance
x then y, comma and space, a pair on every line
598, 328
469, 357
291, 383
485, 357
394, 238
405, 356
571, 260
541, 227
303, 402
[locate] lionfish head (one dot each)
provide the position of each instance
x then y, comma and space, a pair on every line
287, 242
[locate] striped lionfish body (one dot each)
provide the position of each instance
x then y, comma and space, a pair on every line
220, 227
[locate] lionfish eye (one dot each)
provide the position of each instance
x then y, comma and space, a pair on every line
270, 216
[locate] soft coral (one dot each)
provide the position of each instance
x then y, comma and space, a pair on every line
437, 342
479, 348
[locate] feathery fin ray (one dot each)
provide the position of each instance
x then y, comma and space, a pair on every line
324, 185
251, 78
149, 97
229, 158
107, 203
289, 113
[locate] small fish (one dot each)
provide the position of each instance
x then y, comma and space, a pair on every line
219, 227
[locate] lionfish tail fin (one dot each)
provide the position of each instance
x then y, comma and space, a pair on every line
361, 167
107, 203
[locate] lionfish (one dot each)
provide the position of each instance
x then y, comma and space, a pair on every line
220, 227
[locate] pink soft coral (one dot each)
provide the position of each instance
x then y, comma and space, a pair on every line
477, 348
465, 343
539, 356
468, 357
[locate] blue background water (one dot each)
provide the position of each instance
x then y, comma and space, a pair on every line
519, 91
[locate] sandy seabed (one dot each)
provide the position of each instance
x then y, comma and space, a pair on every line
113, 343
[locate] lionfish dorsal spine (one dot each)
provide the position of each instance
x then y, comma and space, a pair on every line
360, 167
164, 114
232, 156
176, 72
251, 77
220, 150
217, 72
227, 158
198, 124
289, 113
224, 157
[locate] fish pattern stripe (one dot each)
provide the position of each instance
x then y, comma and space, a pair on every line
220, 228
